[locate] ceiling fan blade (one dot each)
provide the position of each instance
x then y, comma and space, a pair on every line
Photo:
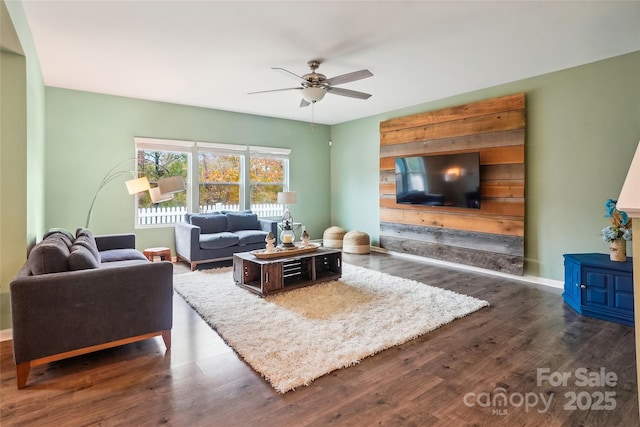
276, 90
290, 74
304, 103
348, 92
349, 77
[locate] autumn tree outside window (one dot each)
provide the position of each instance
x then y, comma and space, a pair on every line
217, 176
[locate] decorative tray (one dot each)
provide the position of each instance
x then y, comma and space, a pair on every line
279, 251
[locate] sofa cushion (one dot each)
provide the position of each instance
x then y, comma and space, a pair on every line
81, 258
89, 242
60, 233
49, 256
248, 237
218, 240
242, 221
113, 255
210, 223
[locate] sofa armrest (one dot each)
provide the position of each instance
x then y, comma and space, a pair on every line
187, 240
270, 225
59, 312
107, 242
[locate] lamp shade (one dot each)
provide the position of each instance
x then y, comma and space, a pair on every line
172, 184
137, 185
287, 197
313, 94
158, 197
629, 199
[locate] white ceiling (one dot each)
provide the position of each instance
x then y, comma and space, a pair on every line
212, 53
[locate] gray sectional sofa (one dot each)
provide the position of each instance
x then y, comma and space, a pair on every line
217, 236
78, 294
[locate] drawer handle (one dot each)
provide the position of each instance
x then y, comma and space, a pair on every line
266, 277
583, 286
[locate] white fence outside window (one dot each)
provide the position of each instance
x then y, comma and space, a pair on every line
169, 215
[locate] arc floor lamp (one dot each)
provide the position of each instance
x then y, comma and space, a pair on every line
162, 193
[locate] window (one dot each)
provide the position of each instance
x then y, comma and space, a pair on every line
217, 177
268, 175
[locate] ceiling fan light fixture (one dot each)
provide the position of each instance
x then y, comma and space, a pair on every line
313, 94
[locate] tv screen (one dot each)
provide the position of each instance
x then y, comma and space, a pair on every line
441, 180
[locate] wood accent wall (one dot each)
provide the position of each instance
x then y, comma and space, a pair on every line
491, 237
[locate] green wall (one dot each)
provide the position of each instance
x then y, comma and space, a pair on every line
21, 148
88, 134
583, 126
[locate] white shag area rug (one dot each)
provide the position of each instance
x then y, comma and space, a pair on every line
294, 337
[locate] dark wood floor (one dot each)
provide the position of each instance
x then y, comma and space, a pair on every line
202, 382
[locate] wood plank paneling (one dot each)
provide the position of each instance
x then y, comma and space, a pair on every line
511, 206
513, 188
494, 128
512, 226
469, 126
492, 261
455, 145
493, 105
487, 242
506, 171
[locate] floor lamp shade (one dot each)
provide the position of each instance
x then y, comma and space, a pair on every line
287, 198
137, 185
158, 197
172, 184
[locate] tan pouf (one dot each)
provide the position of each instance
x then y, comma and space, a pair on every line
332, 237
356, 242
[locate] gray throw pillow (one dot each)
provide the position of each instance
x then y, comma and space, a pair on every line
81, 258
210, 223
60, 236
242, 221
62, 233
49, 256
89, 242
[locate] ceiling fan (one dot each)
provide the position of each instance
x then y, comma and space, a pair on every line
315, 86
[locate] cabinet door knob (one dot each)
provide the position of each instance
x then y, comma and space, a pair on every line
583, 286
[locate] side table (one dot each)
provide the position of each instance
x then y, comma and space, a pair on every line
598, 287
163, 253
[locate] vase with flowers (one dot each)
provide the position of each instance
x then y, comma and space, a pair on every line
618, 233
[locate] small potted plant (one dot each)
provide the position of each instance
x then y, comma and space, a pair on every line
618, 233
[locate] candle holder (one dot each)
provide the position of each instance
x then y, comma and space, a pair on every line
287, 236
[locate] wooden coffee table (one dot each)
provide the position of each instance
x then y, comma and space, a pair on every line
273, 275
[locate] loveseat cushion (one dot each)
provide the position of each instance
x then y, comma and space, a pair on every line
60, 233
81, 258
242, 221
49, 256
113, 255
85, 238
218, 240
248, 237
210, 223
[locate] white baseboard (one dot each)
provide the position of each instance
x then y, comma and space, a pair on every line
526, 278
6, 334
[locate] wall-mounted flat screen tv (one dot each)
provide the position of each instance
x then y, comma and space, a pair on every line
451, 180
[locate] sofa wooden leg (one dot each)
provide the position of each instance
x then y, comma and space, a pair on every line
193, 266
166, 336
22, 373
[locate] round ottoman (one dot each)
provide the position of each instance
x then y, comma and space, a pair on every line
332, 237
356, 242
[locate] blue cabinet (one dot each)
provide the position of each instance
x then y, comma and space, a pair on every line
598, 287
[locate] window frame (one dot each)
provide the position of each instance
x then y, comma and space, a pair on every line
193, 149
